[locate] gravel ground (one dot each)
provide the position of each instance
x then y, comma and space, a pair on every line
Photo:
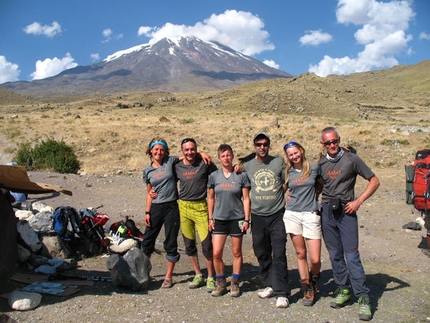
396, 264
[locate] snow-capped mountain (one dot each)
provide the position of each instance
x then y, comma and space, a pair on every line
185, 64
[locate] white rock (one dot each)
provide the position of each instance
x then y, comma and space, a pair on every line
38, 206
123, 247
23, 215
29, 236
23, 301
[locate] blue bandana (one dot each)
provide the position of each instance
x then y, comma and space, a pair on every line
157, 143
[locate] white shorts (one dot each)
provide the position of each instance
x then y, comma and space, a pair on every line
306, 224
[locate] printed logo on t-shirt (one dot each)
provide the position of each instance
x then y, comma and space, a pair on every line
189, 175
299, 181
332, 174
159, 174
265, 181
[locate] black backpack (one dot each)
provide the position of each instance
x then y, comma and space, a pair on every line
80, 233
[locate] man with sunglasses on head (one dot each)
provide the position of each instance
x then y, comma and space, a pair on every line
267, 176
193, 173
339, 170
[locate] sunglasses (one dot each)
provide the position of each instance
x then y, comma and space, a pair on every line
328, 143
184, 141
259, 144
290, 144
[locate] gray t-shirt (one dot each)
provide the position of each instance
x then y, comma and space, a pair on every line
193, 179
163, 180
228, 195
302, 190
339, 177
267, 179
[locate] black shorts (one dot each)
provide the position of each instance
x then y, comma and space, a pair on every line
229, 227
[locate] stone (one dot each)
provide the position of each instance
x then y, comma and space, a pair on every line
28, 235
24, 214
42, 221
131, 270
23, 254
123, 247
24, 301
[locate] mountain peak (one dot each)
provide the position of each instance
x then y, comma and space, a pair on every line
178, 64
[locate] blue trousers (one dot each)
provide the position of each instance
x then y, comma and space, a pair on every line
269, 242
340, 235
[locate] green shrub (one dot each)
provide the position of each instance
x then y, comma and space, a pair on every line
24, 156
49, 154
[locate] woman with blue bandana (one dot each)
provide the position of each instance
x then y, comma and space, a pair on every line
160, 178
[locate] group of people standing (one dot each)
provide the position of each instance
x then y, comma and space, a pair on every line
279, 198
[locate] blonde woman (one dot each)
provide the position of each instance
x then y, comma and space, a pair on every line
302, 219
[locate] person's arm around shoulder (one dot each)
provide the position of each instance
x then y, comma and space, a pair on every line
372, 186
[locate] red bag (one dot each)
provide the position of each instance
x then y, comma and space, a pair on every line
421, 180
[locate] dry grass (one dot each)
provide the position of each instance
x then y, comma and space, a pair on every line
387, 121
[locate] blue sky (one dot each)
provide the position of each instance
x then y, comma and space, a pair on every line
41, 38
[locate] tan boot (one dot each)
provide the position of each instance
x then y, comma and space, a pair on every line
234, 288
308, 293
220, 288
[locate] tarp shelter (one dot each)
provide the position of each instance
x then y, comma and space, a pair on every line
15, 178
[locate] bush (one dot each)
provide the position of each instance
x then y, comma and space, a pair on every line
49, 154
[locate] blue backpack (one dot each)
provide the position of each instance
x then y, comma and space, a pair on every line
66, 222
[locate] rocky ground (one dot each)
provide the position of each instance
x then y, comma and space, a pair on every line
395, 261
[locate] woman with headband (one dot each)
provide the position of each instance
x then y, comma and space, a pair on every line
302, 219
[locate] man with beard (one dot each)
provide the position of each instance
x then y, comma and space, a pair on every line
339, 170
267, 176
193, 174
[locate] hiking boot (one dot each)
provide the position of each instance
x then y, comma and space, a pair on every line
220, 288
308, 292
197, 282
343, 297
282, 302
266, 293
210, 284
364, 312
234, 288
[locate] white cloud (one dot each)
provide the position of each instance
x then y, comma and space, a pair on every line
424, 35
37, 29
108, 35
271, 63
145, 31
315, 38
382, 33
239, 30
95, 57
9, 72
50, 67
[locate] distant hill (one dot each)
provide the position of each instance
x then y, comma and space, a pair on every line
186, 64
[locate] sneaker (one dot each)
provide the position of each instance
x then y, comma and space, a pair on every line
308, 293
364, 312
210, 284
343, 297
234, 288
220, 288
197, 282
266, 293
282, 302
